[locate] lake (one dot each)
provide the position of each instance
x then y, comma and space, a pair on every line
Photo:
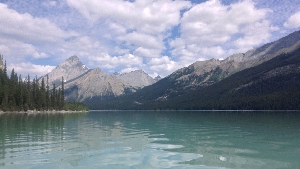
151, 139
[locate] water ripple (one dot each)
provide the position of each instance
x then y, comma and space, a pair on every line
150, 140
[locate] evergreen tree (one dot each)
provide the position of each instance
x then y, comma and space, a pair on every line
58, 98
47, 94
53, 97
42, 95
18, 95
62, 93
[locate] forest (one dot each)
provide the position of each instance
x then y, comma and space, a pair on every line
18, 94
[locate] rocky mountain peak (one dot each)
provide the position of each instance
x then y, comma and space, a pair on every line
96, 70
157, 78
136, 78
72, 62
73, 59
70, 69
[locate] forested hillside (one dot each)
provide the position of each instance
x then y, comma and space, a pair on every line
272, 85
17, 94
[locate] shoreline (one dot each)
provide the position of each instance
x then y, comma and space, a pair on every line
44, 112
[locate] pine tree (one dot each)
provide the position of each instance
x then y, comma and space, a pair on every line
58, 98
47, 94
53, 97
20, 94
12, 90
42, 95
62, 93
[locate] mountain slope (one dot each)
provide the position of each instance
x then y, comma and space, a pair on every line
70, 69
203, 84
95, 83
274, 84
83, 84
205, 73
137, 79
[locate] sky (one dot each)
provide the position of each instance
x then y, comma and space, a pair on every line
158, 36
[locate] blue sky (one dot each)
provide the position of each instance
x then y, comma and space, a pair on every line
158, 36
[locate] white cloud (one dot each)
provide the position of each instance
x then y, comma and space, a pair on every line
140, 26
111, 62
210, 29
150, 53
164, 65
144, 40
49, 3
23, 36
293, 21
26, 68
253, 35
29, 29
14, 50
127, 35
150, 16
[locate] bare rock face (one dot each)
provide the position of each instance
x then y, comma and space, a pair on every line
95, 83
136, 79
70, 69
81, 83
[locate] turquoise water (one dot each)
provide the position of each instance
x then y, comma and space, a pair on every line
151, 139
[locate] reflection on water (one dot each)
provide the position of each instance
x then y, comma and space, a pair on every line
151, 139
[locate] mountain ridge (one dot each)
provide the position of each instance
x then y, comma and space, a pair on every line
95, 86
272, 85
205, 73
202, 74
82, 83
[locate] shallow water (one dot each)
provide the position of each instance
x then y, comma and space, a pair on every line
151, 139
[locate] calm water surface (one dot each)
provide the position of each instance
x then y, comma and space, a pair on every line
151, 139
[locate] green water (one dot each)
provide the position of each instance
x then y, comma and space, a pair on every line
151, 139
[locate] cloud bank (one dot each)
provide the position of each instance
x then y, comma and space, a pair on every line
158, 36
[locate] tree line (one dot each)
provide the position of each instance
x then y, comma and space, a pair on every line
17, 94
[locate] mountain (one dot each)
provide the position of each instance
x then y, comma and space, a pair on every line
272, 85
137, 79
157, 78
203, 75
70, 69
84, 84
96, 83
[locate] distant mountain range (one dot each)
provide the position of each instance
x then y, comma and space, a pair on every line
202, 84
237, 82
82, 84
